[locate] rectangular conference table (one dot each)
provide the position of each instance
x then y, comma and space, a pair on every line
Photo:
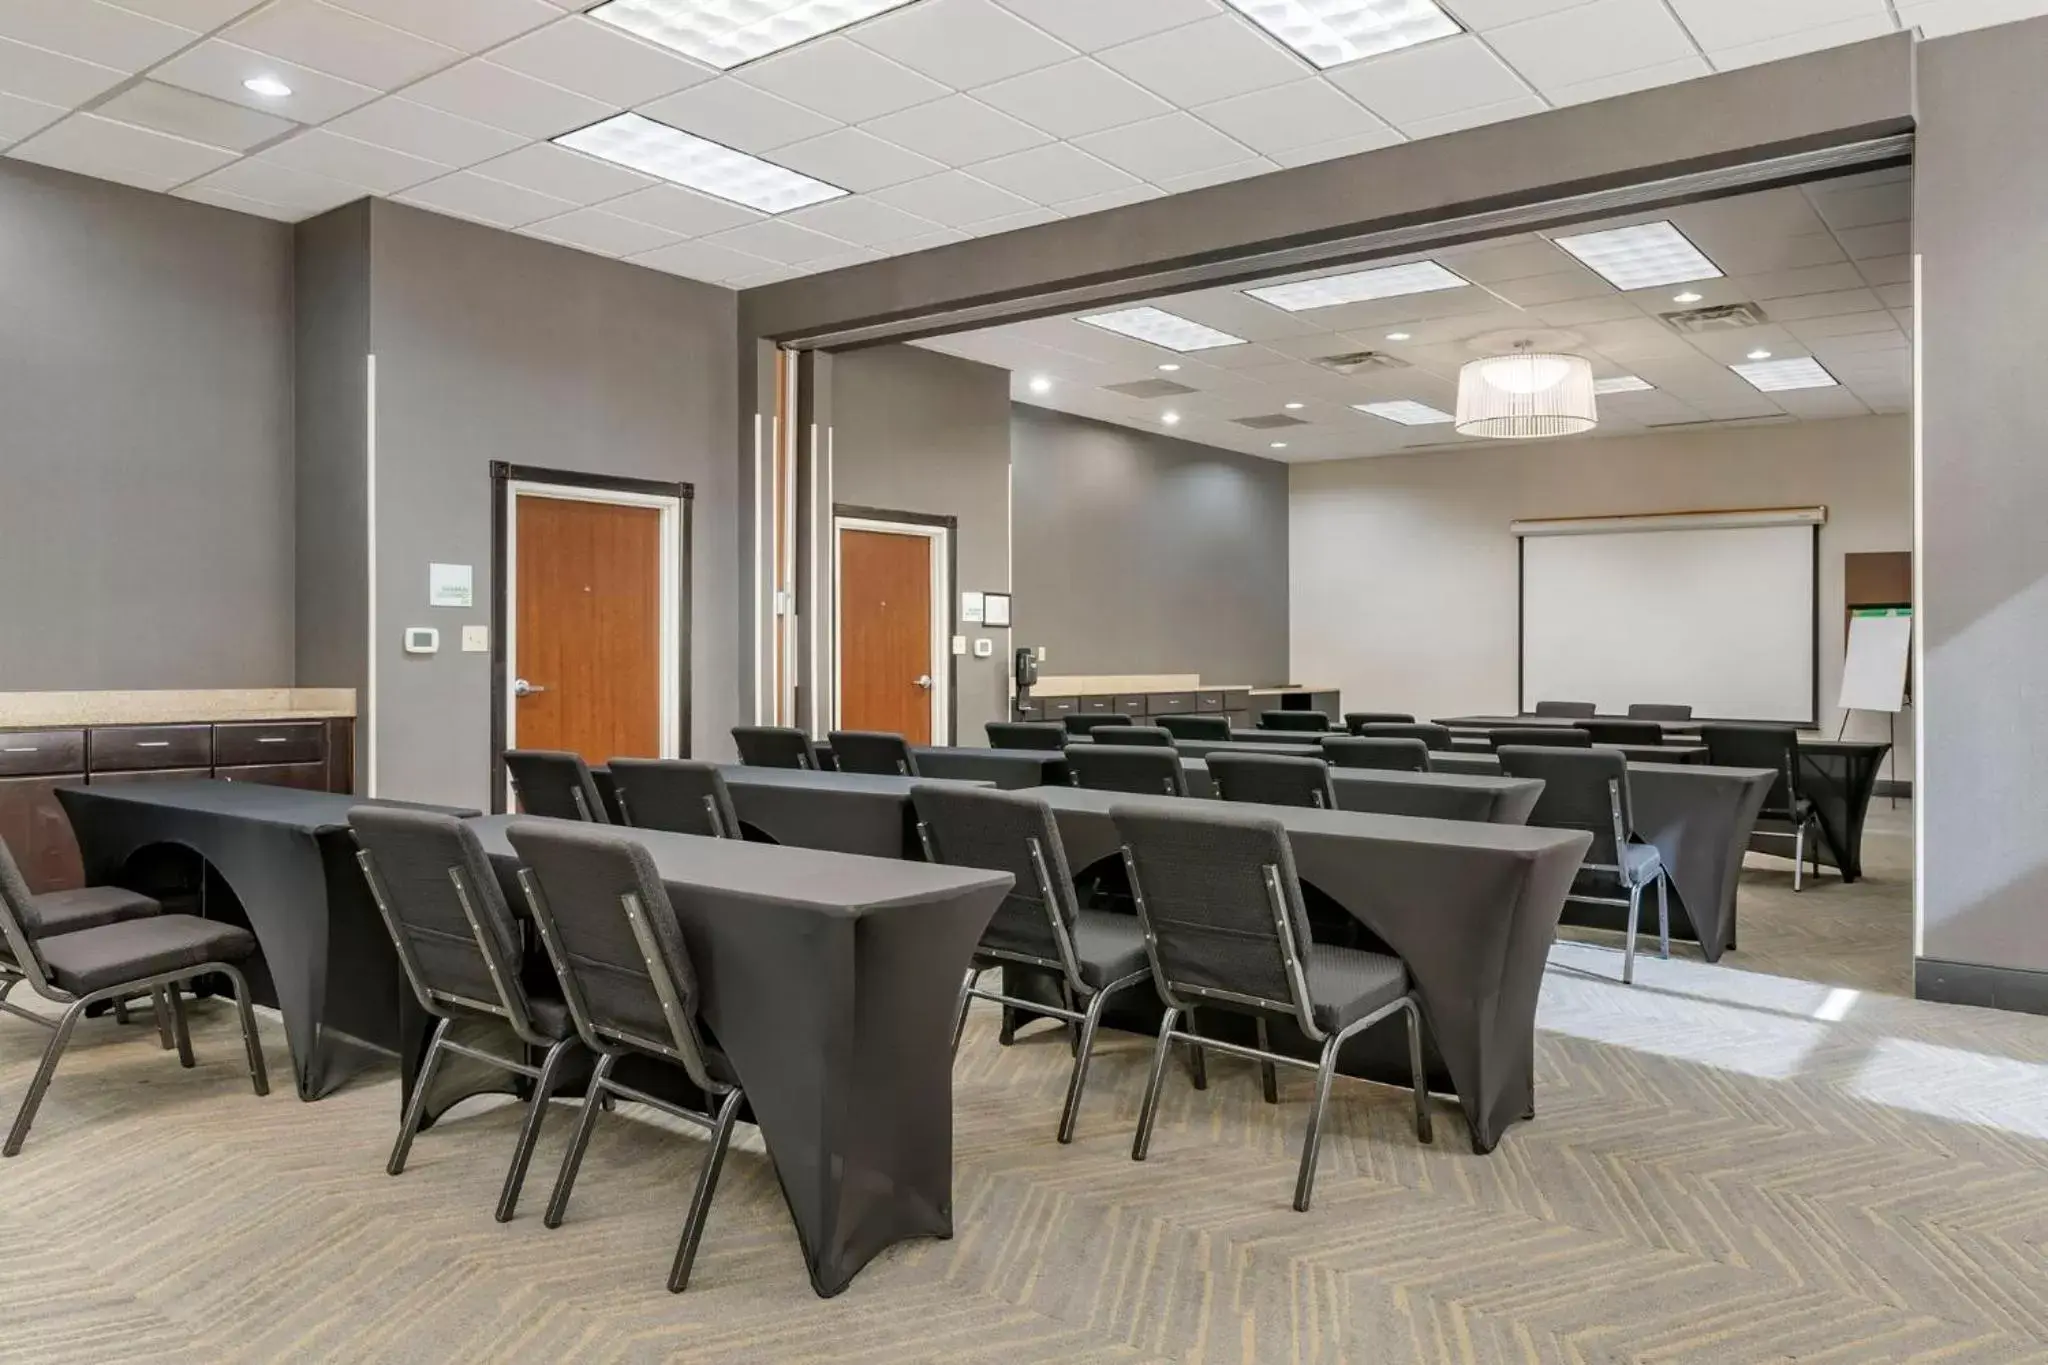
804, 808
1009, 769
830, 982
1669, 727
1488, 798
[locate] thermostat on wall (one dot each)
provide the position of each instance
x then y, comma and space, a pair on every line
422, 640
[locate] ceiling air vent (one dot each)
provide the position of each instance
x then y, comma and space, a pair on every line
1352, 362
1149, 388
1271, 421
1725, 317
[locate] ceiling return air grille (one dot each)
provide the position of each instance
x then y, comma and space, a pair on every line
1272, 421
1148, 388
1353, 362
1724, 317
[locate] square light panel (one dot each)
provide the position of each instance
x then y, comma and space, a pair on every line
674, 155
1622, 383
1162, 328
1795, 372
1387, 282
727, 33
1332, 32
1641, 257
1407, 413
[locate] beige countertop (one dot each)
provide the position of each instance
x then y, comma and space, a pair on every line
29, 710
1128, 684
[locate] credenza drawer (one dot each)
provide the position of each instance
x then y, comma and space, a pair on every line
137, 748
1058, 708
1133, 706
244, 744
1171, 703
1208, 701
38, 753
1097, 706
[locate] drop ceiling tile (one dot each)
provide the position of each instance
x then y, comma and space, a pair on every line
1492, 14
503, 98
1490, 263
321, 152
1217, 175
1939, 18
181, 113
605, 233
1587, 42
48, 77
1885, 239
855, 160
675, 209
471, 25
1814, 279
20, 117
1721, 24
417, 130
1815, 330
116, 151
1205, 62
1853, 204
1895, 295
1521, 106
1563, 286
1136, 193
777, 241
1092, 25
941, 237
1886, 270
1430, 81
1805, 306
1340, 147
1056, 174
289, 193
1805, 40
547, 169
201, 16
1745, 252
334, 41
961, 43
1859, 344
200, 193
92, 31
841, 80
1628, 82
1285, 117
956, 131
600, 61
1160, 149
1073, 98
735, 114
219, 68
954, 199
466, 194
702, 261
863, 221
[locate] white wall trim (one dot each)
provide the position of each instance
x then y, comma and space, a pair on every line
369, 708
1919, 645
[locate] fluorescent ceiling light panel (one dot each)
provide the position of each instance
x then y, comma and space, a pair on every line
1622, 383
1776, 376
1641, 257
1332, 32
1162, 328
1387, 282
727, 33
1407, 413
672, 154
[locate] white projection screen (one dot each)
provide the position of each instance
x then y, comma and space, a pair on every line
1720, 617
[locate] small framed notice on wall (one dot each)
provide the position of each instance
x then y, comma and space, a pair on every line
995, 607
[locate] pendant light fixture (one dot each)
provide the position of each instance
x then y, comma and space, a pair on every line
1526, 395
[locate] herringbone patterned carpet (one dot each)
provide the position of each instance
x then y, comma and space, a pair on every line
1726, 1167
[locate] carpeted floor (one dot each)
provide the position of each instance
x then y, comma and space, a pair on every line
1726, 1166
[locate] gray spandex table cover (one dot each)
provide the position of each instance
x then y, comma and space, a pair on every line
837, 812
1429, 796
288, 860
1471, 908
1010, 769
1670, 727
830, 982
1838, 776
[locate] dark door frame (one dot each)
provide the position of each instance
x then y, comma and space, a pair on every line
951, 526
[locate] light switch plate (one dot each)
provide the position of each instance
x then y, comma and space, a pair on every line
960, 644
1041, 654
476, 639
984, 648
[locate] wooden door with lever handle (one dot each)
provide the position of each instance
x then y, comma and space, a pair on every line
885, 633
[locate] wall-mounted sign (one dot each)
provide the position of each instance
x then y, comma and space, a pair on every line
972, 604
451, 585
996, 609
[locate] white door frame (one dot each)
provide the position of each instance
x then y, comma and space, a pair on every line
671, 509
940, 662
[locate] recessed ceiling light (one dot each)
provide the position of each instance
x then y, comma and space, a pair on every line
1279, 445
1332, 32
1040, 384
1397, 336
270, 87
1759, 354
723, 34
1687, 297
1641, 257
1169, 367
1162, 328
1622, 383
676, 156
1796, 372
1170, 417
1387, 282
1407, 413
1292, 407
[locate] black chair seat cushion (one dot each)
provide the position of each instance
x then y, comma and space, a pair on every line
88, 907
94, 959
1640, 863
550, 1017
1108, 946
1346, 984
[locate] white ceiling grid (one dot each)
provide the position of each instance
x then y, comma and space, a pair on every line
945, 119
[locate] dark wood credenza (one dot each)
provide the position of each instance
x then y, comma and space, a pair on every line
317, 754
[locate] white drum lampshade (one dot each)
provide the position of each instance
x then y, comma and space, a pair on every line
1525, 395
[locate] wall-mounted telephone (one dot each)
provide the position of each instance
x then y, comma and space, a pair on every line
1026, 669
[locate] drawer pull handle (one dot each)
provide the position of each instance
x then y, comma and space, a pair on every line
273, 739
152, 744
22, 749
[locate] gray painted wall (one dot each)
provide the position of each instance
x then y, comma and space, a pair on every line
491, 347
1137, 553
145, 439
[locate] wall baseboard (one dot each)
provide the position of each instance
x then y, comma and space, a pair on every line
1888, 787
1970, 983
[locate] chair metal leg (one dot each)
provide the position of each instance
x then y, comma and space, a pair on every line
1798, 854
529, 1130
700, 1201
1269, 1074
180, 1030
1305, 1182
120, 1010
1073, 1025
33, 1100
1424, 1132
418, 1105
1664, 915
162, 1010
1628, 952
252, 1041
572, 1160
1079, 1078
1198, 1056
960, 1017
1150, 1108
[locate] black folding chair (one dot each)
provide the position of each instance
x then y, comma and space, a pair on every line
773, 746
1126, 768
1316, 721
1651, 710
1638, 732
1353, 720
1272, 779
678, 795
1147, 736
873, 752
1213, 728
1569, 710
1026, 734
556, 784
1540, 736
1094, 720
1435, 738
1371, 751
1775, 747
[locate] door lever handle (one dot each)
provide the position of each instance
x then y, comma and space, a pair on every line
924, 680
522, 688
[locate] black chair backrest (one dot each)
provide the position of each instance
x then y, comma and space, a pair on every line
1582, 789
1552, 736
872, 751
1759, 746
1294, 720
1194, 727
1622, 731
1436, 738
1026, 734
441, 901
1570, 710
1369, 751
1093, 721
1206, 881
774, 746
1149, 736
605, 917
1354, 719
1656, 710
1272, 779
678, 795
1011, 832
1127, 768
14, 919
556, 784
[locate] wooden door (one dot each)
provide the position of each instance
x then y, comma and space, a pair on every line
885, 633
588, 621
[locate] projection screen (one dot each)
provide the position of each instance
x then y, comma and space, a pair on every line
1717, 611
